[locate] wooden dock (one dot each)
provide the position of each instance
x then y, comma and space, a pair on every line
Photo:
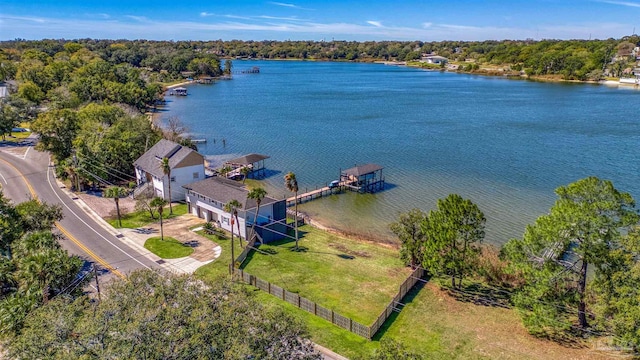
318, 193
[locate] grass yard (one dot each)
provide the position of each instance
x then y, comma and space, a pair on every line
169, 248
353, 278
220, 266
138, 219
437, 326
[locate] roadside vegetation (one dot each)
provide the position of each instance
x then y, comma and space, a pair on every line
142, 218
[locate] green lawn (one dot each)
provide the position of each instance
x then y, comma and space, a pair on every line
169, 248
220, 266
141, 218
353, 278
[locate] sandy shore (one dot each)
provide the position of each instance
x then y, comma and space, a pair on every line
179, 84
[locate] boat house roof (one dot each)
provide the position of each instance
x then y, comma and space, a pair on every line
362, 170
247, 159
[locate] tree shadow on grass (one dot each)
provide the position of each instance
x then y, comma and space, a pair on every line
481, 294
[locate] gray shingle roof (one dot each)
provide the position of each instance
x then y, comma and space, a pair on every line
362, 169
151, 160
224, 190
247, 159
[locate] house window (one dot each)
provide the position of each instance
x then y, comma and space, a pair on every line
225, 220
173, 179
196, 175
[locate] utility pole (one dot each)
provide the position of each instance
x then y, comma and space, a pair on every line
95, 274
233, 258
75, 166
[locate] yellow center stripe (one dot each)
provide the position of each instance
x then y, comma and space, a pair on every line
65, 232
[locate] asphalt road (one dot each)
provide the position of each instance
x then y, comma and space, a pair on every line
27, 173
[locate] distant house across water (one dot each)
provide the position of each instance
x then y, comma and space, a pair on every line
434, 59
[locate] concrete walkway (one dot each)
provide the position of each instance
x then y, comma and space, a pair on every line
205, 250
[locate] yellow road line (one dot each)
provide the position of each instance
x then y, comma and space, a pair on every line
33, 193
89, 252
64, 231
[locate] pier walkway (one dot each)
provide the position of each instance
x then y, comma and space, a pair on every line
318, 193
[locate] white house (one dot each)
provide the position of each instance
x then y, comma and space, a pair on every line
434, 59
206, 199
186, 164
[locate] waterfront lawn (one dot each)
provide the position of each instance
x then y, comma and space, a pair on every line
220, 266
138, 219
167, 248
437, 326
353, 278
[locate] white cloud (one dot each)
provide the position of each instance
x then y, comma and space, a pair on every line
292, 6
205, 14
291, 18
622, 3
283, 4
23, 18
374, 23
270, 27
137, 18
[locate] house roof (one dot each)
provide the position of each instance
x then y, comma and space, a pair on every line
224, 190
151, 160
248, 159
362, 169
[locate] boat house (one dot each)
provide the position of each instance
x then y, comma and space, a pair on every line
206, 199
363, 178
254, 163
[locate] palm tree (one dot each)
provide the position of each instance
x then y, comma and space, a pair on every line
256, 194
225, 170
115, 193
245, 172
159, 203
166, 169
291, 184
232, 208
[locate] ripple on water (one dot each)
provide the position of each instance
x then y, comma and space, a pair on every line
506, 145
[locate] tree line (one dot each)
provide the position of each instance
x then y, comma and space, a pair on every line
574, 271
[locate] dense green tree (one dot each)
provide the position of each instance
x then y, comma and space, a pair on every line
453, 233
583, 228
57, 130
10, 228
37, 216
408, 229
617, 307
153, 316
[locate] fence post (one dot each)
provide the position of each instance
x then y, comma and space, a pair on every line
350, 325
283, 294
315, 309
269, 287
298, 300
332, 317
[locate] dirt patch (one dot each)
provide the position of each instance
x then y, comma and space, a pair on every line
106, 207
344, 249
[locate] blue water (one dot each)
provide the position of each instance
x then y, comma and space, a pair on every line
505, 144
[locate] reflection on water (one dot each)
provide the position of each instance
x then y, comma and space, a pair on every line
505, 144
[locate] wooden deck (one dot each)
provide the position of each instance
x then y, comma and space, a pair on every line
318, 193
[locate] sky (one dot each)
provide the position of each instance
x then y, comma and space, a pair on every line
352, 20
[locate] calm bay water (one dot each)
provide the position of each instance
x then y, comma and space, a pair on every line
504, 144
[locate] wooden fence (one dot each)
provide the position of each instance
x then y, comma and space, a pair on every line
342, 321
415, 276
